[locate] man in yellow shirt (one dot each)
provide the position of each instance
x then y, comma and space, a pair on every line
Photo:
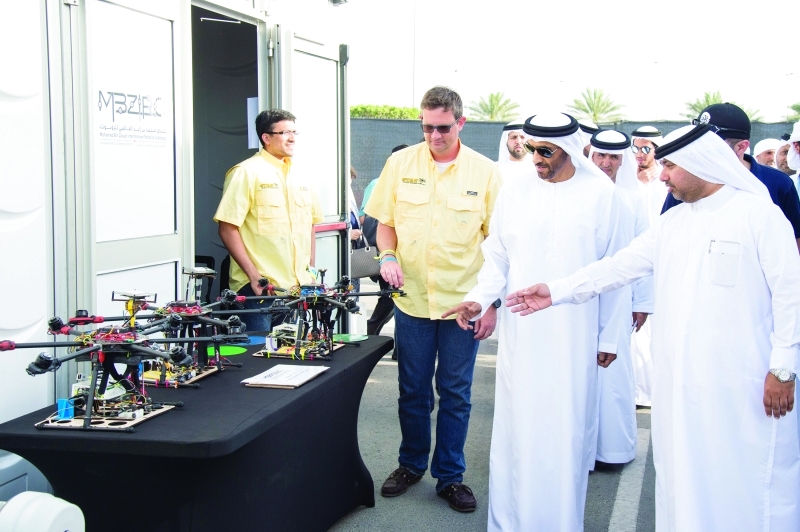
266, 217
433, 202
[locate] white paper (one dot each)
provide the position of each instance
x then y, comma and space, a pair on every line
286, 375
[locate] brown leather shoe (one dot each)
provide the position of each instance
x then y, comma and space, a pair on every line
399, 482
460, 497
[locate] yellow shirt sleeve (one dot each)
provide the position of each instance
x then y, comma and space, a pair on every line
237, 197
316, 208
491, 196
382, 202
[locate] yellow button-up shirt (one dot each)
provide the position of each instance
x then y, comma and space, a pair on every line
274, 210
440, 219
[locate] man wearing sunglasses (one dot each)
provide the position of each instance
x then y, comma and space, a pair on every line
732, 125
645, 141
266, 217
433, 202
544, 431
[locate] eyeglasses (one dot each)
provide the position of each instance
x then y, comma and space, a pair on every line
427, 128
544, 152
284, 133
644, 149
717, 129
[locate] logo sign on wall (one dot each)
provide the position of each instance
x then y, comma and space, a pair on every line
131, 103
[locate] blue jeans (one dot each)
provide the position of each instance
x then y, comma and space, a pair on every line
419, 341
257, 321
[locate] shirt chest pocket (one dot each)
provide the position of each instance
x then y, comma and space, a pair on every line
464, 219
303, 207
411, 212
271, 206
724, 262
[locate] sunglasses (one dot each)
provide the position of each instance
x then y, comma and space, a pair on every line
427, 128
644, 149
544, 152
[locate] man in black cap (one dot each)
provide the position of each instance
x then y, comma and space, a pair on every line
732, 125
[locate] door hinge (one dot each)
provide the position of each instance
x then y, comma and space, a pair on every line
71, 2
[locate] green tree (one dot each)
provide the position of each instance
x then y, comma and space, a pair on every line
496, 108
696, 107
796, 110
597, 106
384, 111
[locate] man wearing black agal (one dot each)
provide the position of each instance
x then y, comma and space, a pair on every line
733, 126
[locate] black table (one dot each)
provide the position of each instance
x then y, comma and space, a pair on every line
233, 458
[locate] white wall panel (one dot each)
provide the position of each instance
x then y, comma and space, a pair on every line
25, 273
158, 279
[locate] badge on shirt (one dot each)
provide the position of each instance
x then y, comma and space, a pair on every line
269, 185
414, 180
471, 193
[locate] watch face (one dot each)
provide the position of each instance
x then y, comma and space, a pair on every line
784, 375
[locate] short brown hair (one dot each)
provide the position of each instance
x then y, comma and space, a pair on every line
445, 98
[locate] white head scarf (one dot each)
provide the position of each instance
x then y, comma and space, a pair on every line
503, 156
626, 175
793, 158
765, 145
587, 129
572, 143
709, 158
648, 133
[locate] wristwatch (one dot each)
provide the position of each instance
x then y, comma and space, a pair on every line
783, 375
497, 303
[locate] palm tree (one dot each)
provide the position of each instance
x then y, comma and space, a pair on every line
696, 107
796, 116
496, 108
596, 106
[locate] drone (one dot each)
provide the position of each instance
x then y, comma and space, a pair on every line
124, 403
315, 305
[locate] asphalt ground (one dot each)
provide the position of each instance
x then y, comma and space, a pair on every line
618, 501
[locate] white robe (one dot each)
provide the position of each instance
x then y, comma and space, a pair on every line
653, 195
727, 294
509, 170
616, 418
546, 383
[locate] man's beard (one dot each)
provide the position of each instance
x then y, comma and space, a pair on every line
516, 156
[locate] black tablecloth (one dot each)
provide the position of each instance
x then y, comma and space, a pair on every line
232, 458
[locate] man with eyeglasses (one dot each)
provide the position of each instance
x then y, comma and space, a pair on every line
544, 436
616, 421
514, 159
266, 218
727, 292
433, 202
645, 141
732, 125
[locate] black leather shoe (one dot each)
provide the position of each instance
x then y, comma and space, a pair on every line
460, 497
399, 482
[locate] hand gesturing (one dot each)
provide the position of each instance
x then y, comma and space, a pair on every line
529, 300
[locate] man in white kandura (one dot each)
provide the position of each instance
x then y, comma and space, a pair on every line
513, 159
725, 347
564, 217
645, 141
616, 419
764, 151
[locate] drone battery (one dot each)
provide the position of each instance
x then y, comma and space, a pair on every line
65, 409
